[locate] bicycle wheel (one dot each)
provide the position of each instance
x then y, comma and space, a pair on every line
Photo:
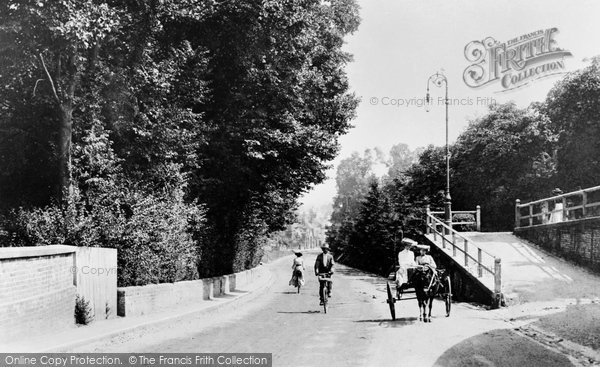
299, 285
325, 297
448, 296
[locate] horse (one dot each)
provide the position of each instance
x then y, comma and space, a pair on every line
428, 283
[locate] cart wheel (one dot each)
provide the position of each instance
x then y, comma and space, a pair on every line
448, 296
391, 302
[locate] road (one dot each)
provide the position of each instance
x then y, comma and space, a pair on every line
357, 330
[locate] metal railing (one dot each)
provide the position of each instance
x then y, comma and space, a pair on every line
575, 205
475, 213
473, 258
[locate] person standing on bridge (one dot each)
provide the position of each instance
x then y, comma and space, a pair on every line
324, 265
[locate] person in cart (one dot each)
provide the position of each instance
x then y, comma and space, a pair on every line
424, 259
406, 261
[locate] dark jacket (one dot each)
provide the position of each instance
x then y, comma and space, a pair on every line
320, 267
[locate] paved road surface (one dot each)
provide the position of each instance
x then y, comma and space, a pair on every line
357, 331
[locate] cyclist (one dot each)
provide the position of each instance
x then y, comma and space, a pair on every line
297, 269
324, 265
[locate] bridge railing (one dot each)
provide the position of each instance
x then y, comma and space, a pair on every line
476, 215
476, 260
575, 205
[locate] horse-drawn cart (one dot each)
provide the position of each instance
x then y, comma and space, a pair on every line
424, 283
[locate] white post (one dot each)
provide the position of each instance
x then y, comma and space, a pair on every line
453, 244
479, 268
497, 276
517, 214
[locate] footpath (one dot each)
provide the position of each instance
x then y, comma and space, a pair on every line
79, 335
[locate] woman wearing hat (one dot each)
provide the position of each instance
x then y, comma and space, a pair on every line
424, 259
297, 269
406, 261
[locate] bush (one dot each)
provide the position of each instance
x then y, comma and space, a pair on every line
458, 218
83, 311
153, 229
157, 243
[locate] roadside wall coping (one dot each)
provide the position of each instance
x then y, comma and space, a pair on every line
151, 298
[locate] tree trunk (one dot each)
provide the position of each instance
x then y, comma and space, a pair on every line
64, 151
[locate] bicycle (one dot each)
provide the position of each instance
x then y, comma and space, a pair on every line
297, 276
326, 278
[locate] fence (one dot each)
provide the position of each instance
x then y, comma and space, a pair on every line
475, 213
474, 259
575, 205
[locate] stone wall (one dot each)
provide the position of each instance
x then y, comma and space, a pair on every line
577, 241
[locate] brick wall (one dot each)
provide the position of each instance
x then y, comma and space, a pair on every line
37, 292
577, 241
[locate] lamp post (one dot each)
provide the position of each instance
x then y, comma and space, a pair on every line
438, 79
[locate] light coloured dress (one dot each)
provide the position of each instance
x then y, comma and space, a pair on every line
297, 265
406, 260
557, 213
426, 260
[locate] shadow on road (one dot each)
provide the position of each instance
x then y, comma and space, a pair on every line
238, 292
399, 322
356, 274
351, 272
490, 349
299, 312
221, 296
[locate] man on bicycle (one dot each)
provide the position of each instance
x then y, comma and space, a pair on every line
324, 265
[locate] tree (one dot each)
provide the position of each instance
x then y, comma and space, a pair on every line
502, 156
47, 48
401, 159
572, 106
278, 101
371, 245
236, 105
369, 218
427, 178
352, 180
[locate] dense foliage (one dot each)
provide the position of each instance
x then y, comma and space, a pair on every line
370, 217
573, 107
179, 131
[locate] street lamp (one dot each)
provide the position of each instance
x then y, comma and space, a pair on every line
438, 79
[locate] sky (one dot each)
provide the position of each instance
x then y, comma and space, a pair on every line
400, 43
